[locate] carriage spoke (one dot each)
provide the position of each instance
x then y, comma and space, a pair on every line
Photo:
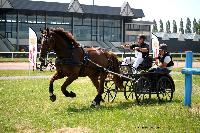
164, 89
105, 95
110, 92
142, 92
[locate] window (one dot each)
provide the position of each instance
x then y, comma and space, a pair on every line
82, 33
136, 27
77, 21
108, 23
23, 28
116, 23
11, 17
22, 18
94, 30
94, 22
55, 20
87, 21
107, 34
2, 28
32, 19
10, 24
2, 17
40, 19
67, 20
131, 38
145, 28
101, 22
36, 28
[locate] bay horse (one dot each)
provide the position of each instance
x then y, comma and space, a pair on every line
72, 62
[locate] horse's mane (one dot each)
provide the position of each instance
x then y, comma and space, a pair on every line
65, 35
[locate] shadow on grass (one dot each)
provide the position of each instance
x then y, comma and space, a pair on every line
120, 106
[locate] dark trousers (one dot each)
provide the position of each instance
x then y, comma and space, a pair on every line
160, 70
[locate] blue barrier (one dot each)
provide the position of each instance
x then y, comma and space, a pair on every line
189, 71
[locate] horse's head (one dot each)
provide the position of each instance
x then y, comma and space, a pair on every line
47, 42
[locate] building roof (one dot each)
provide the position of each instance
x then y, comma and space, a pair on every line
142, 22
63, 7
179, 36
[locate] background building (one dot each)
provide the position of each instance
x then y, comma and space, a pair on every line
92, 25
179, 43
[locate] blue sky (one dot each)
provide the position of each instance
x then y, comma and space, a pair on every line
154, 9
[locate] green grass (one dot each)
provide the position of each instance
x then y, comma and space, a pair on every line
40, 73
25, 73
25, 107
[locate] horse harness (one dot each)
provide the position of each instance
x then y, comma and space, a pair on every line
84, 63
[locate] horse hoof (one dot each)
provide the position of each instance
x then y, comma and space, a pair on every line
94, 104
53, 98
72, 94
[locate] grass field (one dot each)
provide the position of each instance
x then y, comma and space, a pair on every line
25, 107
25, 73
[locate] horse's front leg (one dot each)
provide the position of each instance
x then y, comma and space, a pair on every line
56, 76
67, 82
98, 98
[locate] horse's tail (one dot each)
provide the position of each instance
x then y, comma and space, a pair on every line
115, 67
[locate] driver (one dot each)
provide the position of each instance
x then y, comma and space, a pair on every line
142, 51
165, 59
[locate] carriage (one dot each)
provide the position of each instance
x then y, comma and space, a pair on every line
142, 85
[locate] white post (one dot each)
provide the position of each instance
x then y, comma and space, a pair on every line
12, 56
29, 67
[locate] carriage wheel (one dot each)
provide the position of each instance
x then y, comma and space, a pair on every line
129, 90
110, 91
165, 89
142, 90
51, 66
125, 69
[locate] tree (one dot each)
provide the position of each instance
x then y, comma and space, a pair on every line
155, 28
195, 26
188, 26
181, 26
168, 27
198, 27
161, 26
174, 27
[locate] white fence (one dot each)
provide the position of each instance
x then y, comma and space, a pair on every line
120, 54
178, 57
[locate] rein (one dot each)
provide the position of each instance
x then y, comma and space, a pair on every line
109, 71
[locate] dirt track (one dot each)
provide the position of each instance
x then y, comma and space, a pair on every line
25, 65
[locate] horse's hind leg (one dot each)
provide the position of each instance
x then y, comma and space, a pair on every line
98, 98
67, 82
57, 75
95, 82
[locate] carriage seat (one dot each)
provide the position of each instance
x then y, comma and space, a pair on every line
146, 64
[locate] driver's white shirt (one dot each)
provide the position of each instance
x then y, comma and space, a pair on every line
167, 60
